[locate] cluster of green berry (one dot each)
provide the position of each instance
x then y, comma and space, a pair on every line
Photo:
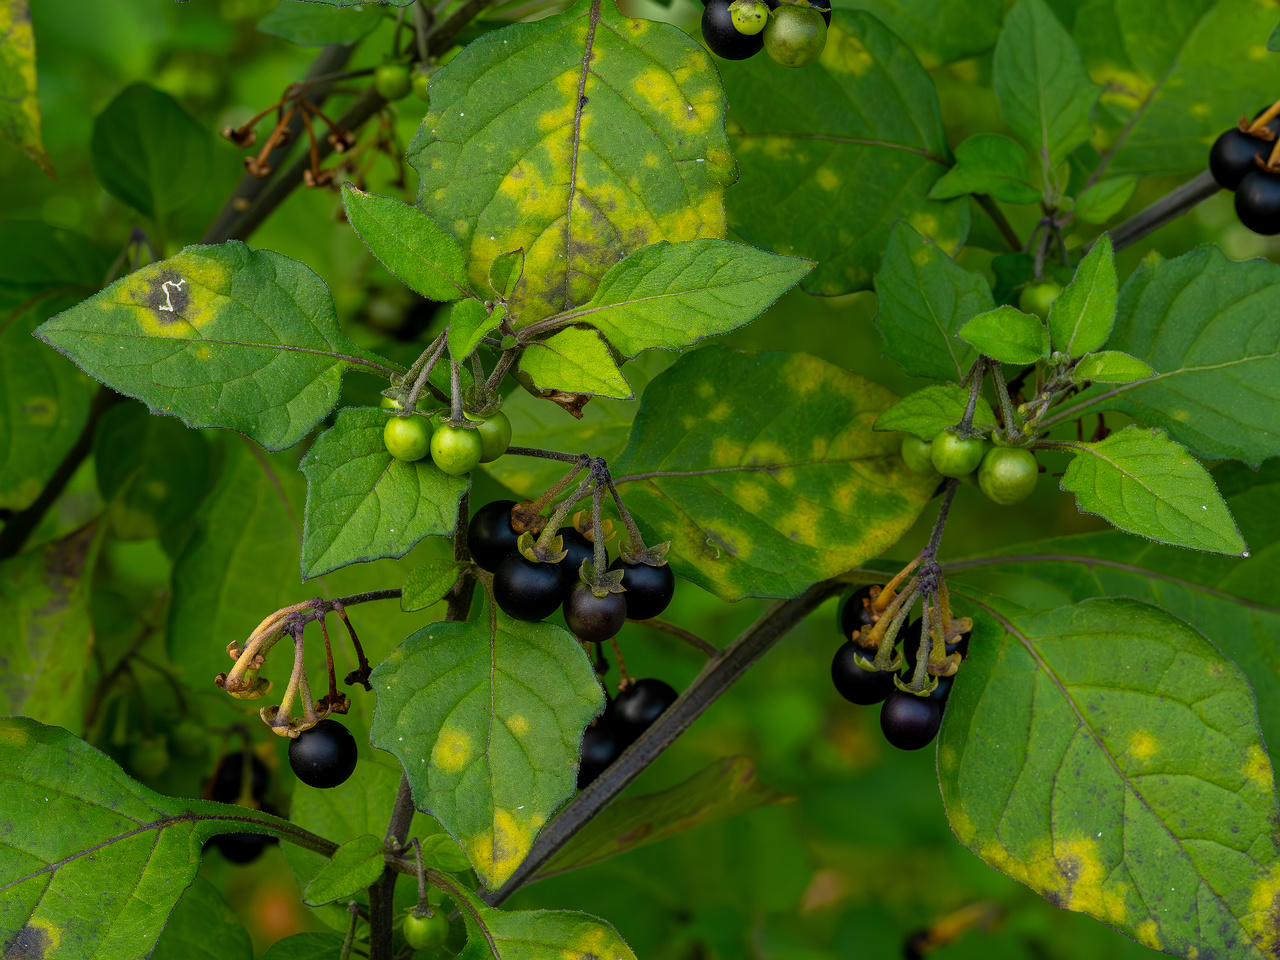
1006, 475
1244, 159
455, 448
792, 32
394, 80
909, 721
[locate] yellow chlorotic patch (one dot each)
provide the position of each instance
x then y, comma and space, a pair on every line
845, 53
925, 223
13, 737
726, 452
517, 725
706, 390
39, 411
651, 161
452, 750
827, 178
555, 119
721, 411
1264, 904
750, 494
961, 825
1072, 876
596, 944
52, 934
1142, 745
174, 299
496, 853
1257, 766
802, 523
660, 91
804, 375
1148, 933
1122, 87
923, 255
1257, 52
765, 453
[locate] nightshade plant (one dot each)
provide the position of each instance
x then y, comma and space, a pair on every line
592, 188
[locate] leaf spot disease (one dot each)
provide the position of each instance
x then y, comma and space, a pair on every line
452, 750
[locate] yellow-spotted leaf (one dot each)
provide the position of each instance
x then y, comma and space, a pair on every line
486, 717
19, 107
218, 336
1109, 756
765, 472
579, 138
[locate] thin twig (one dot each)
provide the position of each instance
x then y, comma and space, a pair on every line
544, 454
992, 210
688, 637
1169, 207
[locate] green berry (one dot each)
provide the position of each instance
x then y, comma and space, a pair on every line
456, 450
1037, 298
749, 16
795, 36
495, 434
407, 438
1008, 474
426, 933
392, 81
916, 454
421, 80
954, 457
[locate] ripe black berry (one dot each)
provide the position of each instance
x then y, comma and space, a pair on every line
325, 755
527, 590
591, 617
1231, 157
579, 548
229, 777
243, 848
637, 707
855, 684
601, 745
648, 589
489, 535
723, 37
854, 613
1258, 202
910, 722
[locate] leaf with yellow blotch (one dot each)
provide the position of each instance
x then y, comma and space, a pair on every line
579, 138
19, 106
486, 717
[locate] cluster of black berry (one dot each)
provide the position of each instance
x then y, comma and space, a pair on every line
792, 32
1243, 159
625, 718
909, 721
241, 778
532, 589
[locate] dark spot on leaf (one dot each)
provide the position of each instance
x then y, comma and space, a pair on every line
29, 943
168, 295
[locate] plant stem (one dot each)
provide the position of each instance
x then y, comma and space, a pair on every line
992, 210
935, 538
1169, 207
544, 454
435, 350
687, 636
1011, 427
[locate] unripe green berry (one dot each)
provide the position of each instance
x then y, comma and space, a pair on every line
916, 455
1008, 474
955, 457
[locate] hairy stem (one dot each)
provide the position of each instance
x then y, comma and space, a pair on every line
1169, 207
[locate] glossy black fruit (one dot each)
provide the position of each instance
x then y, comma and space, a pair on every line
489, 535
854, 613
648, 589
243, 848
1258, 202
579, 548
325, 755
722, 36
229, 777
910, 722
530, 591
637, 707
591, 617
1232, 157
855, 684
601, 745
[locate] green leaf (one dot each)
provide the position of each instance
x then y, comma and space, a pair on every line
1110, 366
111, 858
833, 155
1208, 327
1045, 94
427, 585
1141, 740
723, 789
1106, 198
575, 361
534, 934
362, 503
150, 153
940, 31
1080, 319
306, 946
409, 244
924, 299
988, 163
218, 336
35, 258
313, 25
1273, 41
151, 470
443, 853
764, 471
44, 405
469, 323
932, 409
579, 138
1008, 335
1142, 482
505, 272
44, 604
486, 717
670, 296
19, 105
203, 927
352, 869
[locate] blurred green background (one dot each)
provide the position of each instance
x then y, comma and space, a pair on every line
861, 856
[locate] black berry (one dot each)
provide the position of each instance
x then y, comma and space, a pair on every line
910, 722
579, 548
527, 590
229, 777
722, 36
1231, 157
243, 848
648, 589
601, 745
854, 613
325, 755
1258, 202
856, 684
637, 707
489, 535
591, 617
